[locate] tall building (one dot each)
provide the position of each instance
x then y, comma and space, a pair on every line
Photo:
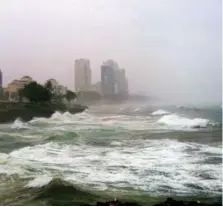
0, 79
82, 75
122, 82
108, 78
113, 79
1, 87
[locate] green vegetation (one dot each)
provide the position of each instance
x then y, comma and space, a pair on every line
36, 93
37, 101
70, 95
9, 111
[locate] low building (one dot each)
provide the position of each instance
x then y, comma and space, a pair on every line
96, 87
11, 91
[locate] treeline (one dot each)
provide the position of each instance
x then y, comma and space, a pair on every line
37, 93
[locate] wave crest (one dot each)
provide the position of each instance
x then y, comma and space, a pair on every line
19, 124
39, 181
56, 191
174, 120
160, 112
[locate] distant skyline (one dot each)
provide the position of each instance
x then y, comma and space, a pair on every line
169, 48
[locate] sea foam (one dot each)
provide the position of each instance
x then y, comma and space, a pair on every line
39, 181
18, 124
160, 112
174, 120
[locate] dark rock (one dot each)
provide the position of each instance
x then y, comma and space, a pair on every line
172, 202
116, 203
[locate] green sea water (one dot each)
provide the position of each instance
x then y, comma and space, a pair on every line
128, 151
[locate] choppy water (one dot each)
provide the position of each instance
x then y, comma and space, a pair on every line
114, 150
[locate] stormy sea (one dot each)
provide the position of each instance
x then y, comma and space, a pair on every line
130, 151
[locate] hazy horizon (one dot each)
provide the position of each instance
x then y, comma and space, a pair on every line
169, 48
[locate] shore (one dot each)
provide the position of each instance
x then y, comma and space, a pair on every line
9, 111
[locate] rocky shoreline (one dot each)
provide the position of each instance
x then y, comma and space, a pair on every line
9, 111
168, 202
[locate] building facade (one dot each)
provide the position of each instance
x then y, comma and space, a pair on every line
96, 87
1, 77
1, 85
113, 79
122, 82
108, 80
11, 91
82, 75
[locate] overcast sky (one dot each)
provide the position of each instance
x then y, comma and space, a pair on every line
169, 48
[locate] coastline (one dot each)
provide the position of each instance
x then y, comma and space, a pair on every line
9, 111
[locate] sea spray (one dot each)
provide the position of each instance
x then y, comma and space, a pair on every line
160, 112
179, 122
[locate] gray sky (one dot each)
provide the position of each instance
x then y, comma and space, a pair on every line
170, 48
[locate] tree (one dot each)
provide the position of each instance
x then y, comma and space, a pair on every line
35, 93
48, 86
70, 95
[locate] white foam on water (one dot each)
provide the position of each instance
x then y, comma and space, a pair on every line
146, 165
18, 124
115, 143
86, 120
179, 122
160, 112
39, 181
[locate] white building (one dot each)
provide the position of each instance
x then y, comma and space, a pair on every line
122, 82
82, 75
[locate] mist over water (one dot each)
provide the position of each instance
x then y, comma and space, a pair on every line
120, 148
166, 52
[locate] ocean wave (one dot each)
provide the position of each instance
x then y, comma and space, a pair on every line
86, 120
169, 162
60, 192
62, 137
180, 122
18, 124
39, 181
160, 112
44, 190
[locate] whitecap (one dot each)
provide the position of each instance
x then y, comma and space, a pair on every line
160, 112
174, 120
18, 124
39, 181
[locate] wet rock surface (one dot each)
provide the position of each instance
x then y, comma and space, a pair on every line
167, 202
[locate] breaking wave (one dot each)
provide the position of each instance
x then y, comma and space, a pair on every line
50, 191
111, 152
160, 112
170, 162
88, 121
18, 124
180, 122
39, 181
